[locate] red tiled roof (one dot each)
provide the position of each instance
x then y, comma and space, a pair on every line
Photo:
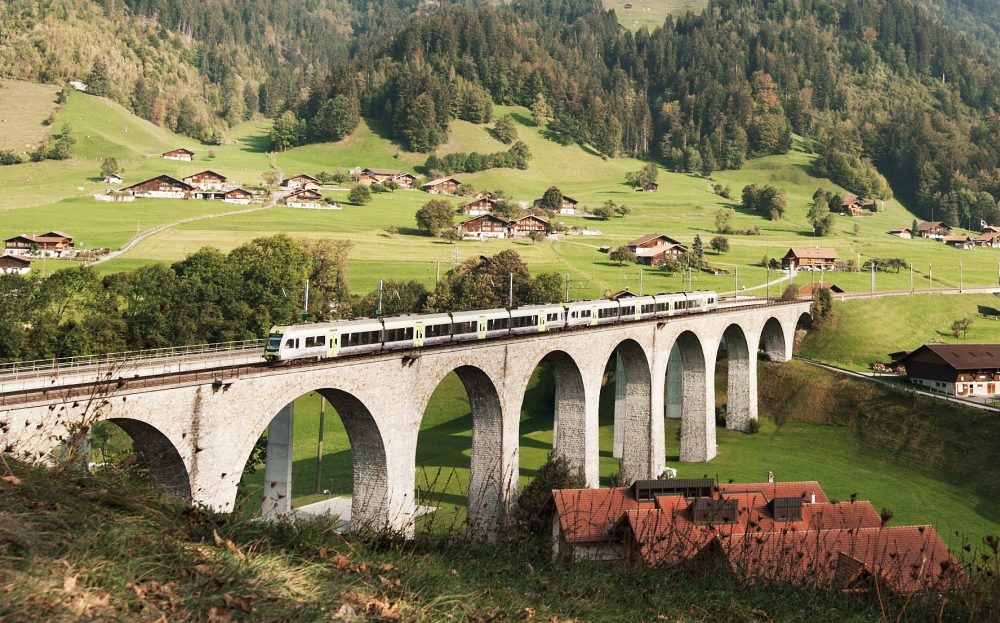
587, 514
819, 253
964, 356
931, 225
803, 489
650, 237
809, 288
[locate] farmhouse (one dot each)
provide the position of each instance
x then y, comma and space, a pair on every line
652, 249
484, 226
527, 225
379, 176
901, 232
112, 178
161, 187
49, 244
482, 205
988, 239
304, 199
933, 229
206, 180
183, 154
14, 265
773, 531
852, 205
800, 258
442, 186
959, 242
955, 369
301, 181
990, 228
237, 196
567, 208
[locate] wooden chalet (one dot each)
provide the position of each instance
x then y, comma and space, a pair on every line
112, 178
442, 186
901, 232
301, 181
185, 155
14, 265
991, 228
484, 226
304, 198
161, 187
237, 196
476, 207
935, 230
527, 225
568, 207
955, 369
653, 249
809, 258
380, 176
852, 205
206, 180
49, 244
988, 239
959, 241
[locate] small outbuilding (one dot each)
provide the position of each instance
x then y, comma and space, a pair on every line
809, 258
901, 232
14, 265
442, 186
185, 155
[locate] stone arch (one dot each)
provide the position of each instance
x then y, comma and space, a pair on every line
774, 342
490, 480
741, 395
698, 407
158, 454
370, 503
569, 438
634, 411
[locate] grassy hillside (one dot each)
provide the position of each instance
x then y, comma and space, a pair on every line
101, 548
650, 14
863, 331
24, 106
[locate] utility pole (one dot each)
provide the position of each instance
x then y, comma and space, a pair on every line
930, 276
305, 303
873, 277
736, 282
640, 282
319, 443
566, 295
767, 282
510, 292
437, 272
378, 311
961, 277
911, 278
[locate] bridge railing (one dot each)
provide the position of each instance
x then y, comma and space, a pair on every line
25, 368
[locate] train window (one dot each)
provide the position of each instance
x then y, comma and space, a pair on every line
317, 340
289, 343
648, 309
464, 327
607, 312
497, 324
435, 330
399, 335
552, 317
628, 311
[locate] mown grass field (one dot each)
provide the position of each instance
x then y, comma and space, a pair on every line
24, 106
650, 14
860, 332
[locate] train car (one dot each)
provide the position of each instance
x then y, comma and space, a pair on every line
670, 304
351, 337
479, 324
536, 319
701, 301
584, 313
299, 341
637, 308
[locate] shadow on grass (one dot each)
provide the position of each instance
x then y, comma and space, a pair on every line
255, 144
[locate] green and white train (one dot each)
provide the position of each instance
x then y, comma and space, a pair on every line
343, 338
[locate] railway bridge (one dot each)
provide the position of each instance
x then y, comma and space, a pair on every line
194, 417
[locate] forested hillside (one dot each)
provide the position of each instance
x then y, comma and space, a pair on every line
979, 20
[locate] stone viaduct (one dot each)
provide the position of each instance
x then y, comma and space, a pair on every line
197, 435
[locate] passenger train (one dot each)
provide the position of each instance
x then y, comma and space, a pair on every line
322, 340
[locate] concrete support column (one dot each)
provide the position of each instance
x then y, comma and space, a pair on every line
657, 448
277, 499
741, 408
698, 423
674, 407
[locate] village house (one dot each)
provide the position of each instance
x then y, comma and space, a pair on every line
988, 239
14, 265
185, 155
479, 206
237, 196
527, 225
807, 258
301, 181
112, 178
786, 531
161, 187
380, 176
935, 230
567, 208
49, 244
483, 226
304, 199
653, 249
442, 186
852, 205
901, 232
990, 228
955, 369
206, 180
959, 242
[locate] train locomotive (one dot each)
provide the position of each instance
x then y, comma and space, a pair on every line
343, 338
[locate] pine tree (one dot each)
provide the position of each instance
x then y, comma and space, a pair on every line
698, 247
97, 79
539, 109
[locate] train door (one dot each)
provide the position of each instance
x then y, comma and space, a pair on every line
541, 322
418, 334
481, 328
333, 345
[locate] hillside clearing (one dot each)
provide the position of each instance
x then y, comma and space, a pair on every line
24, 106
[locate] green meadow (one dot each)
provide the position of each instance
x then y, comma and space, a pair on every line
650, 14
387, 245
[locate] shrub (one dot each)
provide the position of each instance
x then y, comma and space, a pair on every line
360, 195
556, 473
